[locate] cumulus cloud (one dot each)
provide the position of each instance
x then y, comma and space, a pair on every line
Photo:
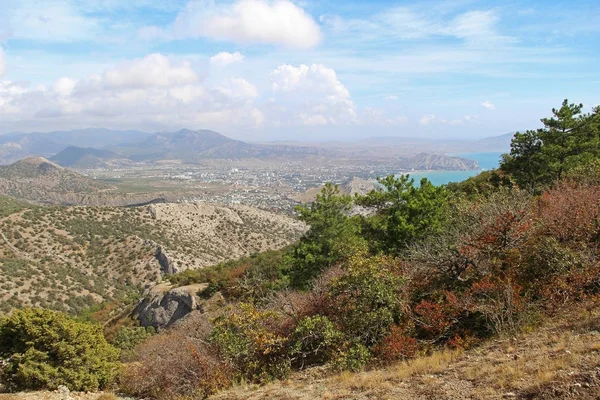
427, 119
488, 105
154, 70
239, 88
64, 86
224, 58
152, 92
245, 21
158, 92
311, 79
316, 92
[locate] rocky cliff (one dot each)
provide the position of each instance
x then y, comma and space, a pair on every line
162, 306
426, 161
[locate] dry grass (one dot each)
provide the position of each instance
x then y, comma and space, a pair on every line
54, 395
551, 356
107, 396
435, 363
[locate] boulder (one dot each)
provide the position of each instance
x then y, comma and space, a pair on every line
167, 265
161, 307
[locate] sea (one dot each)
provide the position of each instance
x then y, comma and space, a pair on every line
486, 161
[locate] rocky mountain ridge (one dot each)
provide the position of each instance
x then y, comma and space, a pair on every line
192, 146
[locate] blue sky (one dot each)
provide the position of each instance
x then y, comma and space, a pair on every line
303, 70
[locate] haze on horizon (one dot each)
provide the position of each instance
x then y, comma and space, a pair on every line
295, 70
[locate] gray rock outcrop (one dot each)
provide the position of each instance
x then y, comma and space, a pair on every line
167, 265
162, 309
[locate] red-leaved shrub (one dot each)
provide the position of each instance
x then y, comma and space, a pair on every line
174, 365
397, 345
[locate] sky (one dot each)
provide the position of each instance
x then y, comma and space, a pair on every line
301, 70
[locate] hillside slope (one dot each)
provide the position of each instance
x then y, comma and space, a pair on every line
87, 157
37, 179
192, 146
558, 360
68, 258
425, 161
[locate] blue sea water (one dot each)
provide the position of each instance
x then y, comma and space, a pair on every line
486, 161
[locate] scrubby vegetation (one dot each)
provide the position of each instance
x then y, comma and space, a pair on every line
407, 269
71, 258
404, 271
46, 349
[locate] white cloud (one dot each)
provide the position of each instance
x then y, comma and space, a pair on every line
427, 119
187, 93
148, 93
391, 97
410, 23
473, 24
64, 86
316, 92
488, 105
314, 120
154, 70
239, 88
315, 78
246, 21
452, 121
225, 58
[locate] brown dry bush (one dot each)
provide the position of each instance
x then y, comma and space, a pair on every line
397, 345
571, 212
174, 365
293, 305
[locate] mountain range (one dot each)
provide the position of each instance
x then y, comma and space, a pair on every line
101, 148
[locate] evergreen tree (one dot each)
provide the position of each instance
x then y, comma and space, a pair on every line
539, 158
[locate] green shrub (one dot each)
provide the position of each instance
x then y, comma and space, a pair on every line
354, 358
314, 341
366, 301
127, 338
46, 349
248, 339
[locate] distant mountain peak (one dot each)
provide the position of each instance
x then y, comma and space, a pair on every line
85, 157
37, 179
37, 161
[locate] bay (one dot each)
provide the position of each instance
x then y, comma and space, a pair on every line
486, 161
